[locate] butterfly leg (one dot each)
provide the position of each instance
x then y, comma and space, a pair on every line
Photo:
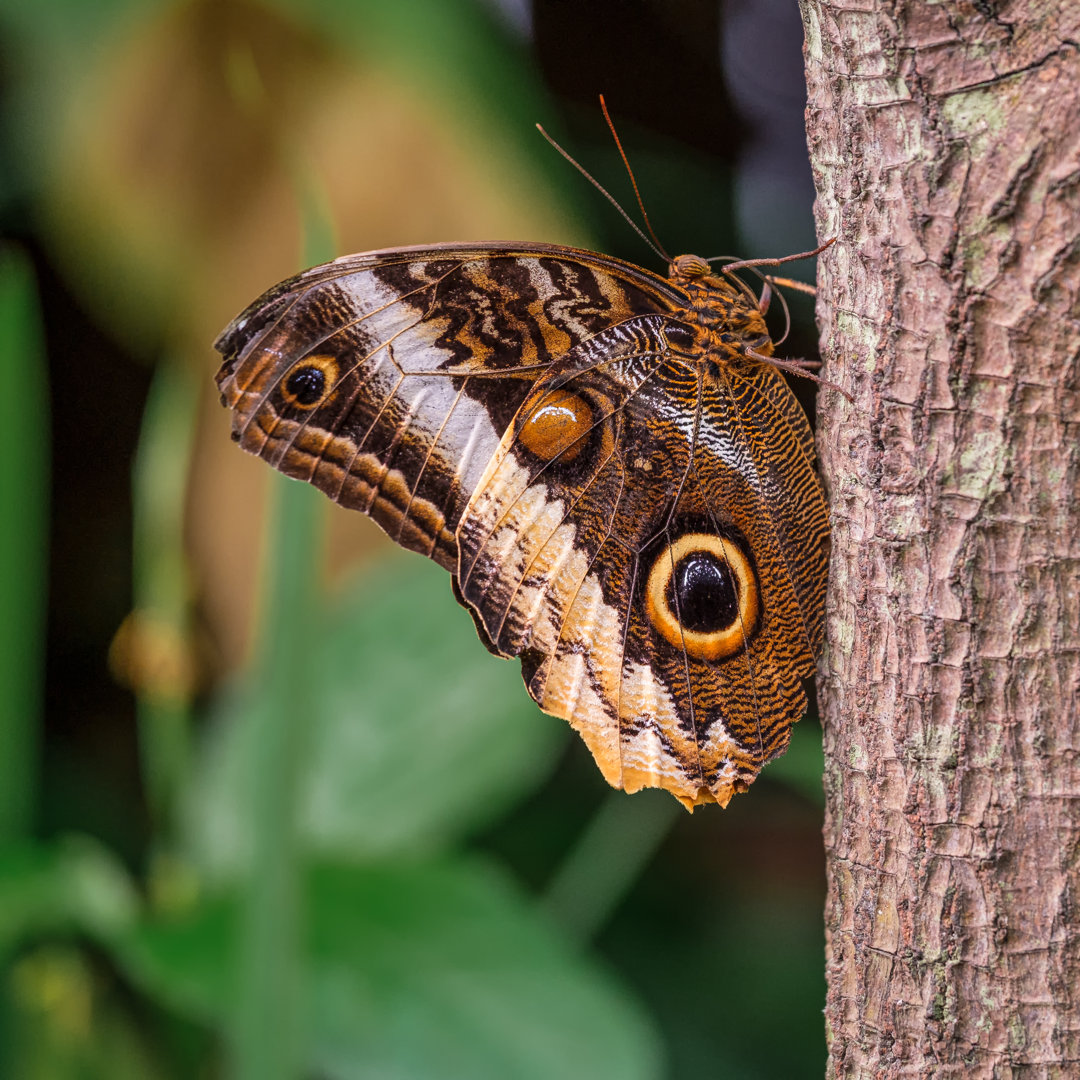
801, 368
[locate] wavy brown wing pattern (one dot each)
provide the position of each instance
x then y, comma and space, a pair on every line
626, 499
372, 376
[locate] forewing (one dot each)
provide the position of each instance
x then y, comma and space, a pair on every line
388, 379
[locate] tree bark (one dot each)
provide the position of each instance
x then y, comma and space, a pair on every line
945, 139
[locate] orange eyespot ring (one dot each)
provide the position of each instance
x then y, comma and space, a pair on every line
309, 382
557, 426
702, 596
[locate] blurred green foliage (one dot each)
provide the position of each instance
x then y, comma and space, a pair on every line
23, 540
363, 852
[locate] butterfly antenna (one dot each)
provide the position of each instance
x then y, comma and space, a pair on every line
604, 191
633, 182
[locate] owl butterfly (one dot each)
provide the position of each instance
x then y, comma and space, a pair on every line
617, 477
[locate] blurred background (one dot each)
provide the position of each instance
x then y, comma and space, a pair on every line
267, 807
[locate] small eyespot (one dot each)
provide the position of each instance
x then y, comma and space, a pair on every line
309, 382
702, 596
557, 426
680, 335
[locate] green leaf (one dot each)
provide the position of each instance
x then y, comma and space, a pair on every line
24, 536
264, 1043
73, 885
418, 733
65, 1022
420, 971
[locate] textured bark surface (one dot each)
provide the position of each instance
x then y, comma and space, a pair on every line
945, 139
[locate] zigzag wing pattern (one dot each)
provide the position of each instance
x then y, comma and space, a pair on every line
373, 377
559, 558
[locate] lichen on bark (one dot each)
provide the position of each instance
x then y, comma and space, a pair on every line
945, 141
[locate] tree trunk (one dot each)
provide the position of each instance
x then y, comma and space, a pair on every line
945, 139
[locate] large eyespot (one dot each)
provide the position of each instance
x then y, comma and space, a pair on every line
702, 596
557, 426
309, 382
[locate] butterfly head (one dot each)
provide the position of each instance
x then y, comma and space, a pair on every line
689, 267
723, 294
721, 320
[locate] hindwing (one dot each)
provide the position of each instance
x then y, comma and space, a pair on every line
638, 520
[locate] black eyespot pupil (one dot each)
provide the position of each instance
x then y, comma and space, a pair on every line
306, 385
702, 593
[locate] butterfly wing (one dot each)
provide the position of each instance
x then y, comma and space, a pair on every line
388, 379
572, 562
517, 414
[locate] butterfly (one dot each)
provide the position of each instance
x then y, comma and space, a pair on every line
608, 462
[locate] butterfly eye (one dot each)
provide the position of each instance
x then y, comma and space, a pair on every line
680, 335
702, 596
309, 382
557, 426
